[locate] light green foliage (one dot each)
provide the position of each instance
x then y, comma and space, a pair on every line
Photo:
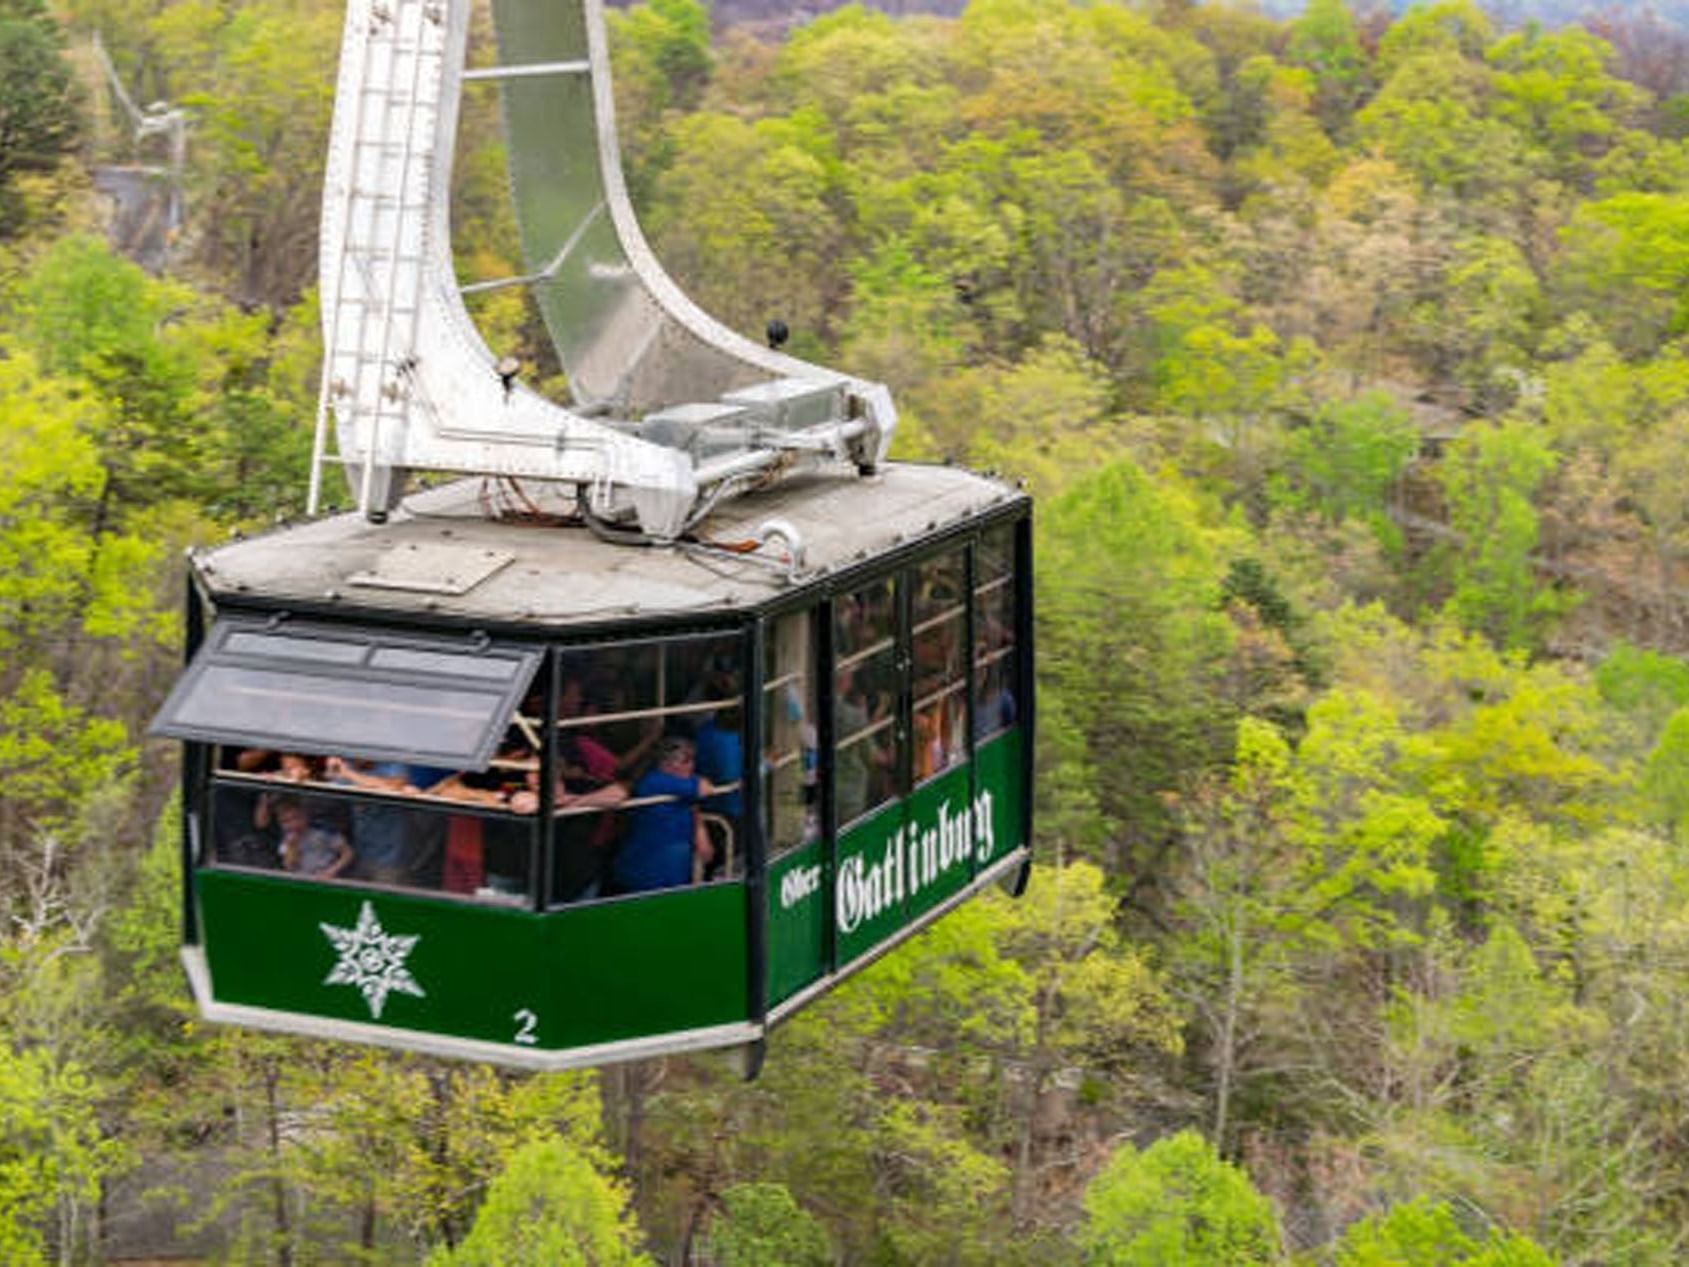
660, 51
1425, 1234
766, 243
1489, 480
39, 119
53, 756
1129, 580
1646, 685
549, 1205
1450, 28
1554, 88
1176, 1204
1039, 415
761, 1226
1211, 365
256, 78
51, 1152
1349, 457
1324, 40
1626, 264
1480, 331
186, 408
1431, 117
49, 468
1665, 779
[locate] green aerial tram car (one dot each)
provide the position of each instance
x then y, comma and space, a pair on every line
877, 698
683, 705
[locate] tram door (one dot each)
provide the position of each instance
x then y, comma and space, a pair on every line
790, 803
925, 759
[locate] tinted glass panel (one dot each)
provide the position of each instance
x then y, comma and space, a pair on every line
939, 676
995, 706
410, 660
789, 808
350, 692
294, 710
419, 843
638, 726
279, 647
867, 752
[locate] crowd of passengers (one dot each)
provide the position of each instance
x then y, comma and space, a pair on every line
674, 790
643, 801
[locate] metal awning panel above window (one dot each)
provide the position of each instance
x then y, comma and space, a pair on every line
440, 701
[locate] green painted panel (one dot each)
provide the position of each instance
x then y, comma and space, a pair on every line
998, 765
941, 839
867, 885
797, 920
590, 974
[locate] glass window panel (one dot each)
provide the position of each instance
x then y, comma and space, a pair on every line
995, 706
641, 723
867, 752
864, 621
404, 843
306, 692
939, 664
661, 836
996, 554
681, 680
281, 647
791, 813
307, 712
411, 660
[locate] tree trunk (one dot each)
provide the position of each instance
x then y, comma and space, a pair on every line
1225, 1055
278, 1188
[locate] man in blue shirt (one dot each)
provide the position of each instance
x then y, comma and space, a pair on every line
663, 837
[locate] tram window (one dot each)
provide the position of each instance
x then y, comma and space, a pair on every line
323, 689
638, 726
287, 812
790, 811
867, 749
995, 708
940, 678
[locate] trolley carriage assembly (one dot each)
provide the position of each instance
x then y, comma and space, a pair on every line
468, 681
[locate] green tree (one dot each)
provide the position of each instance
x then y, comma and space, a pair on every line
761, 1226
1324, 40
549, 1205
1489, 479
39, 120
1347, 460
1176, 1204
1134, 644
1425, 1234
1626, 264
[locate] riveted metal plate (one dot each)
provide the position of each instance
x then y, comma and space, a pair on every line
432, 568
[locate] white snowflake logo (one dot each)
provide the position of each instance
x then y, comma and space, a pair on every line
372, 960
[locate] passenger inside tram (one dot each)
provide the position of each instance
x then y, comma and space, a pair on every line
308, 848
685, 788
663, 833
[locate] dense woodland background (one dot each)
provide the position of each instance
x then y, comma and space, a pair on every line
1346, 357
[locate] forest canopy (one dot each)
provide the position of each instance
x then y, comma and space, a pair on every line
1345, 355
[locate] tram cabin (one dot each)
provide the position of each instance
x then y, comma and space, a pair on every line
485, 785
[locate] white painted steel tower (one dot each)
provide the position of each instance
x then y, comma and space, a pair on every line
671, 411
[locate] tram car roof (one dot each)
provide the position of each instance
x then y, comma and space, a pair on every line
444, 558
